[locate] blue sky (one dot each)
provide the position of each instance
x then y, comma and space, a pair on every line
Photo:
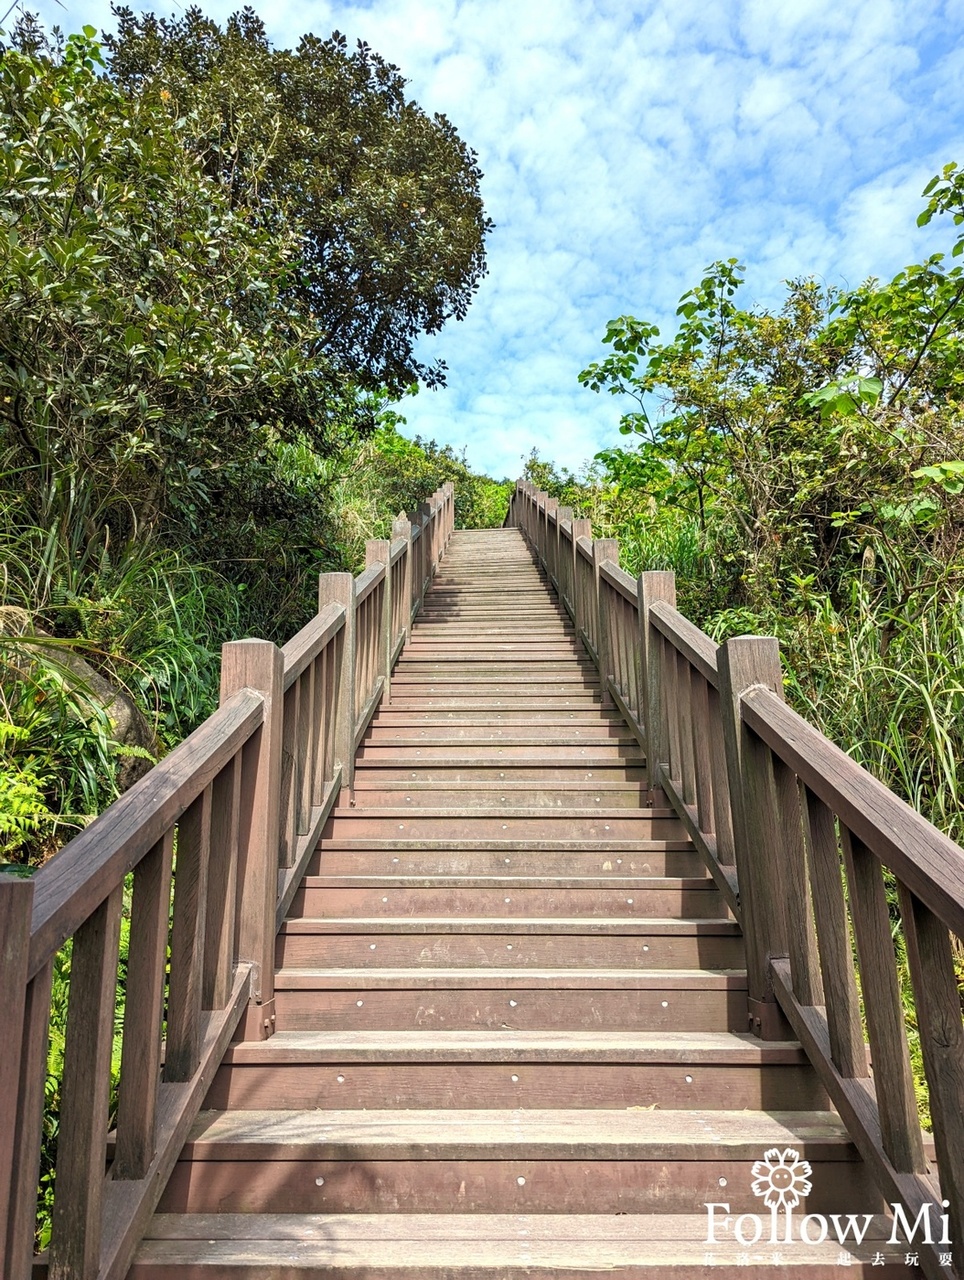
627, 145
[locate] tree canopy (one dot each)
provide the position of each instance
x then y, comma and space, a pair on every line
385, 197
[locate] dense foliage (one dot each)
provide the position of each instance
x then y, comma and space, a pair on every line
384, 197
200, 326
801, 469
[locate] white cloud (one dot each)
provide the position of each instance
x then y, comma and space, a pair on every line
625, 145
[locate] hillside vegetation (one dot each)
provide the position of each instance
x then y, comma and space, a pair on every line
802, 470
216, 260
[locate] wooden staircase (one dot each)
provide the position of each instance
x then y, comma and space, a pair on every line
511, 1004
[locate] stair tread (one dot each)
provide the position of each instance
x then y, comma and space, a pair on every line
683, 1047
624, 1134
501, 813
631, 925
462, 881
293, 978
479, 1243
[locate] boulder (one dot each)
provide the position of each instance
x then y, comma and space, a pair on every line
131, 728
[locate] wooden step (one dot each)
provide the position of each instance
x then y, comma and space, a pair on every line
489, 794
415, 1069
661, 859
508, 823
711, 1002
510, 1003
377, 773
578, 1246
443, 1160
516, 735
662, 897
704, 944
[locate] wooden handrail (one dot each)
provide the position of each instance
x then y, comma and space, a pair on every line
928, 862
228, 820
799, 839
69, 887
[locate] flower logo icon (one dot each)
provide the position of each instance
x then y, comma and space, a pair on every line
781, 1178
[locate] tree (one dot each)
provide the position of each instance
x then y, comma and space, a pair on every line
146, 329
805, 436
385, 197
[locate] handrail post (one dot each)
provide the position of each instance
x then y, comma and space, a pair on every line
449, 490
258, 665
653, 586
603, 549
379, 551
552, 570
745, 662
402, 528
339, 588
563, 515
424, 550
16, 904
580, 529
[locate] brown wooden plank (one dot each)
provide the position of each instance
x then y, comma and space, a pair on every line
893, 1081
937, 1000
16, 908
743, 662
802, 938
143, 1012
82, 1130
16, 905
187, 941
258, 665
28, 1125
833, 939
222, 892
290, 778
522, 1084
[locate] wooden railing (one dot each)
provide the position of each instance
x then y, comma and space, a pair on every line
804, 845
211, 845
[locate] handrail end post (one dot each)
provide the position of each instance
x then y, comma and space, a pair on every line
339, 588
258, 665
745, 662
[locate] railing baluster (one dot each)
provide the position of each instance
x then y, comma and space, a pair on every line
222, 893
684, 705
183, 1050
16, 904
804, 959
28, 1125
652, 587
289, 775
77, 1219
304, 760
699, 697
938, 1002
833, 940
258, 665
722, 811
899, 1124
339, 588
320, 727
745, 662
603, 549
143, 1012
669, 671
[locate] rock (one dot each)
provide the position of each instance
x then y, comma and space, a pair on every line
131, 727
